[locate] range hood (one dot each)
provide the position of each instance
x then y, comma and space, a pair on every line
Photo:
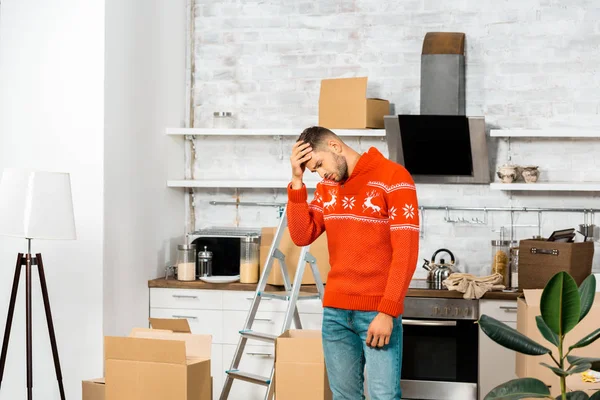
441, 144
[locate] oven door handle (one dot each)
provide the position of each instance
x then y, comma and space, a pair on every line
427, 322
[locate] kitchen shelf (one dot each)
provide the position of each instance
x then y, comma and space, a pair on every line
548, 186
546, 133
240, 184
268, 132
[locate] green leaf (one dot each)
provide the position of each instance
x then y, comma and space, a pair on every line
589, 339
510, 338
546, 332
560, 304
579, 368
519, 389
587, 292
579, 395
556, 370
574, 360
595, 396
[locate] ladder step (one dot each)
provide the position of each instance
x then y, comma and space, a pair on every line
265, 337
285, 296
252, 378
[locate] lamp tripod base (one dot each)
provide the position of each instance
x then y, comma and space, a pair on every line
27, 260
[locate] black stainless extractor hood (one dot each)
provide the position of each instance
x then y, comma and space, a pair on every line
442, 144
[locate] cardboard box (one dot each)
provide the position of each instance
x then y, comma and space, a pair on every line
343, 105
300, 372
318, 250
528, 307
574, 383
540, 260
93, 389
156, 364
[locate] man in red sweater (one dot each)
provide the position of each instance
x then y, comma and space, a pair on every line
367, 205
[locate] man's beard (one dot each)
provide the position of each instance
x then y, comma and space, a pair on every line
342, 168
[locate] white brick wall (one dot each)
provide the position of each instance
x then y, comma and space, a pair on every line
530, 64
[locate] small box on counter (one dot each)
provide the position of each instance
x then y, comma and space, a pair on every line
528, 307
300, 372
540, 260
166, 362
343, 105
93, 389
318, 250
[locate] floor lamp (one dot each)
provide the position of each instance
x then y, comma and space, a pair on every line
34, 205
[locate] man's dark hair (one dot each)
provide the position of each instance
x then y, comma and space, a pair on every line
316, 136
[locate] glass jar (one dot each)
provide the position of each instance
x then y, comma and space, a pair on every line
223, 120
205, 263
500, 259
186, 262
514, 267
249, 259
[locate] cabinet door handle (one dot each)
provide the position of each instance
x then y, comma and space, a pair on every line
263, 319
263, 299
259, 354
508, 308
182, 296
184, 316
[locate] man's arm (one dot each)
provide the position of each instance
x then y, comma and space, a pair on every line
403, 212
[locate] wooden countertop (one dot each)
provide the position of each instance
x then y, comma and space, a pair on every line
175, 284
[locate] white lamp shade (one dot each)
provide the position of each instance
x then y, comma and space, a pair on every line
36, 204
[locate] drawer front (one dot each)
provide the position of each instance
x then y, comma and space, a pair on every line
257, 359
195, 299
241, 301
502, 310
204, 322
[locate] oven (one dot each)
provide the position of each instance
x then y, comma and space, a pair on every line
440, 349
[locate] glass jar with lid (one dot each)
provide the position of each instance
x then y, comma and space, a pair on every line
223, 120
514, 267
186, 262
249, 269
500, 260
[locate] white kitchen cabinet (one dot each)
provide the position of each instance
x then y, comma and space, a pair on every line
496, 363
222, 313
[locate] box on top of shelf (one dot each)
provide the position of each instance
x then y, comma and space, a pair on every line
343, 105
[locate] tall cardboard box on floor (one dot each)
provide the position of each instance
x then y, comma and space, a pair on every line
343, 105
158, 364
528, 307
93, 389
300, 372
318, 249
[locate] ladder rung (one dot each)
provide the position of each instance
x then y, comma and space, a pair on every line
285, 296
265, 337
252, 378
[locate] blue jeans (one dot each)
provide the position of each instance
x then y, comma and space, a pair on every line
346, 353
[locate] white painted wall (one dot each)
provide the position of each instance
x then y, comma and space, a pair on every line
51, 117
145, 92
529, 64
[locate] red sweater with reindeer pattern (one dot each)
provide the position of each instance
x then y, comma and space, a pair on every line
372, 226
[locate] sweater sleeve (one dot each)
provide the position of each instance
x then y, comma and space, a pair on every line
404, 234
305, 221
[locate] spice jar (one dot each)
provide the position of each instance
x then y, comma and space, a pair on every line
249, 259
223, 120
205, 263
500, 259
186, 262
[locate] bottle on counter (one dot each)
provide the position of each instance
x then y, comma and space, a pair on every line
500, 260
514, 267
249, 259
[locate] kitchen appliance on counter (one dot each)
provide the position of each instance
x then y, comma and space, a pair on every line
438, 272
441, 346
226, 245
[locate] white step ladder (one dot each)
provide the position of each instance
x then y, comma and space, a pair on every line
292, 295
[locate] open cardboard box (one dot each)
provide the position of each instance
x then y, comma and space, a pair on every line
93, 389
300, 372
165, 362
528, 307
343, 105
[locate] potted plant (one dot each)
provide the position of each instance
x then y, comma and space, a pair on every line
563, 306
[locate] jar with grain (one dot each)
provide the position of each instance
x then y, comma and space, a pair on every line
500, 260
186, 262
249, 259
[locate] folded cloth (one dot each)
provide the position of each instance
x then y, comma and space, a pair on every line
473, 287
590, 376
